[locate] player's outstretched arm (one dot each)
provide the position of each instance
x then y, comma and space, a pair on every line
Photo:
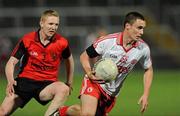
9, 70
148, 77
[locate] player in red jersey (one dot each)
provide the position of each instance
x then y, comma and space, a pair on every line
125, 49
40, 54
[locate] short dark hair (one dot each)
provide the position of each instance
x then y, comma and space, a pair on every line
131, 17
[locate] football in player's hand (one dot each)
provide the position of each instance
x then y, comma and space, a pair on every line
105, 69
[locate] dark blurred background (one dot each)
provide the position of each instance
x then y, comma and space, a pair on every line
82, 18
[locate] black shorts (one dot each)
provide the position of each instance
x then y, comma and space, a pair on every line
28, 88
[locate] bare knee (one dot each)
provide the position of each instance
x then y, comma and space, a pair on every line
62, 89
56, 90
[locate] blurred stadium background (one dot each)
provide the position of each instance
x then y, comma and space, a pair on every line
81, 17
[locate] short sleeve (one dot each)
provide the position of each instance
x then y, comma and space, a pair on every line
100, 46
145, 60
19, 50
66, 53
91, 52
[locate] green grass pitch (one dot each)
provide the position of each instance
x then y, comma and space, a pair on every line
164, 99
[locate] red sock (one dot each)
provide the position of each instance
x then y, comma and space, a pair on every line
63, 110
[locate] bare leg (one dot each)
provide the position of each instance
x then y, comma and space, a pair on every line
88, 105
56, 91
10, 104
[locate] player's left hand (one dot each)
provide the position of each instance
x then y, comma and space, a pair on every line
143, 101
10, 88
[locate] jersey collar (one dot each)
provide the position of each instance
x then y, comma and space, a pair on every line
120, 42
120, 39
37, 37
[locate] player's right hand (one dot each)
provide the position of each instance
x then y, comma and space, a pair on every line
91, 75
10, 88
93, 78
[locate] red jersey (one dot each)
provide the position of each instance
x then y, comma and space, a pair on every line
39, 62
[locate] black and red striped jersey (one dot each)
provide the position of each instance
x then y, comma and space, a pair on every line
40, 62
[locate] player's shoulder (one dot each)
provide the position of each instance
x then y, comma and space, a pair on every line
30, 35
109, 37
141, 44
61, 40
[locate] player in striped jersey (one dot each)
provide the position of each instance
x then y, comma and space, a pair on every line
125, 49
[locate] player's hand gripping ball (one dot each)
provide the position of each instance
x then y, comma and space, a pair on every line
105, 69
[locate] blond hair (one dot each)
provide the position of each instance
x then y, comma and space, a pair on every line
47, 13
